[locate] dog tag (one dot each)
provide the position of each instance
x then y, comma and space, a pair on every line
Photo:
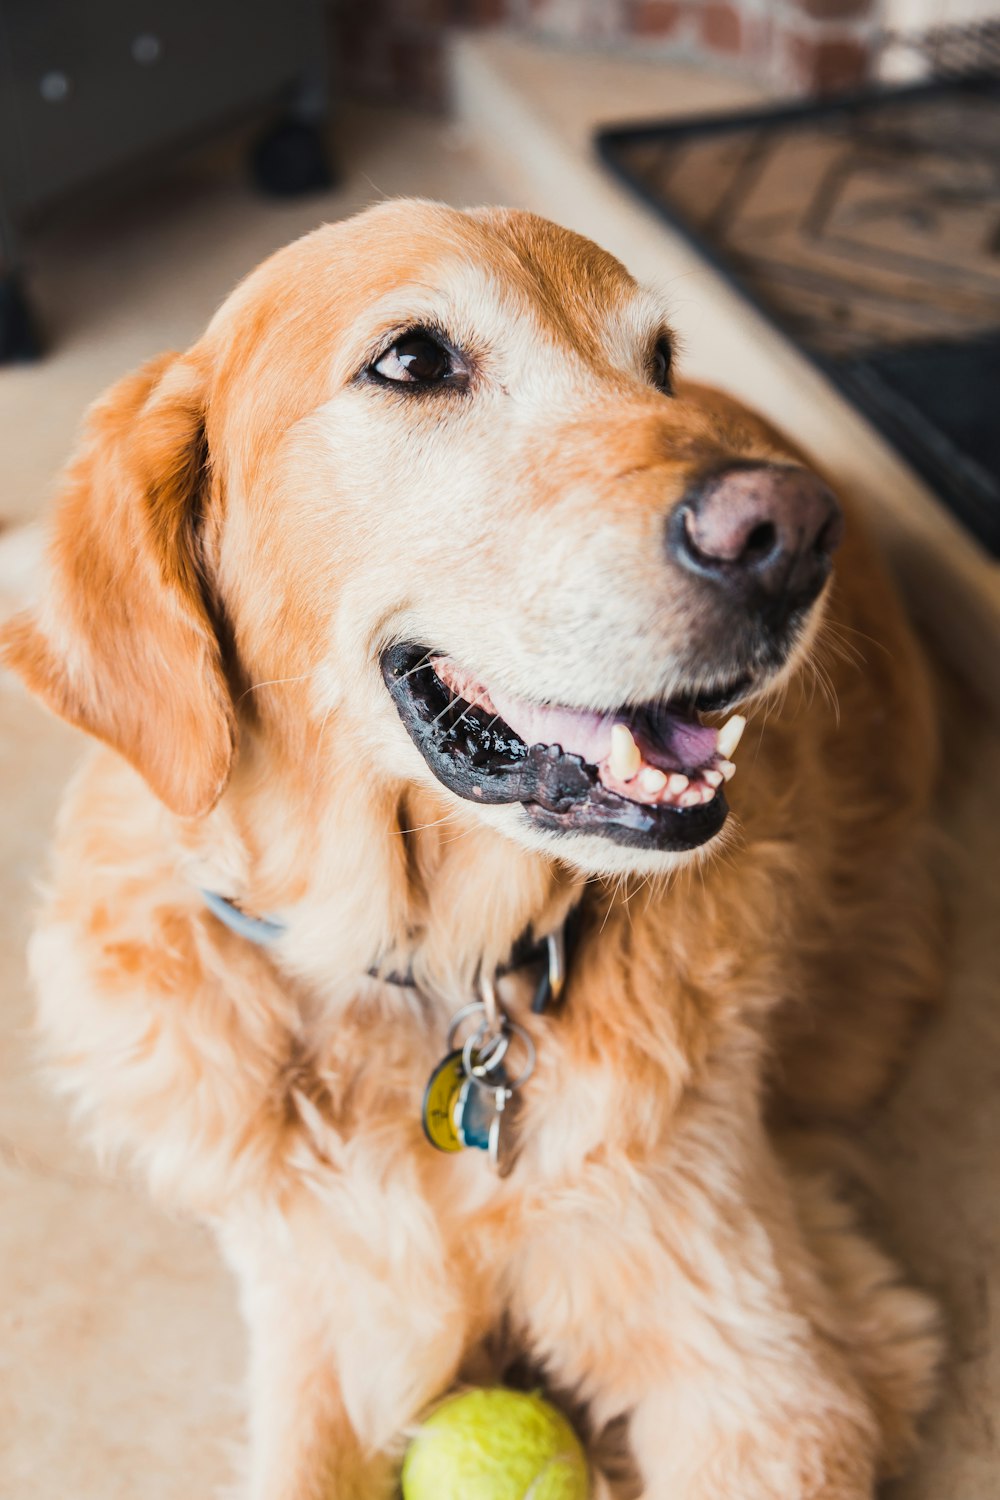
440, 1099
475, 1113
471, 1099
503, 1133
484, 1120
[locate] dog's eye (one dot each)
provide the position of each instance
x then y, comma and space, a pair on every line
660, 366
416, 359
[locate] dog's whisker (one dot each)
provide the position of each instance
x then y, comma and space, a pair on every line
610, 908
255, 687
636, 891
842, 627
846, 656
453, 699
322, 727
380, 193
832, 632
767, 703
420, 827
824, 681
462, 834
831, 640
421, 666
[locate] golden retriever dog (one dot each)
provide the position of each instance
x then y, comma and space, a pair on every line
418, 608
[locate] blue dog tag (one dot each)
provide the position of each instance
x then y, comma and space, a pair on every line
475, 1111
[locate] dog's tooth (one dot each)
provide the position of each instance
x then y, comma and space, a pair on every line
730, 735
678, 783
626, 757
690, 798
726, 769
652, 780
713, 778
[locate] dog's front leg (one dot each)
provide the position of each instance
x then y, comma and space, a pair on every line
687, 1300
343, 1356
712, 1438
303, 1445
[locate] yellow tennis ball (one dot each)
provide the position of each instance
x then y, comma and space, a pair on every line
495, 1445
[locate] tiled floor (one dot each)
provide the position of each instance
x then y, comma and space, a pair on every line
120, 1350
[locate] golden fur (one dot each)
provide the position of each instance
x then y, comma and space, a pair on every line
243, 529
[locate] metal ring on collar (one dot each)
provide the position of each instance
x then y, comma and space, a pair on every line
482, 1080
458, 1020
479, 1062
491, 1005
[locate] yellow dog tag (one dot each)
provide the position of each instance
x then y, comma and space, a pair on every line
440, 1098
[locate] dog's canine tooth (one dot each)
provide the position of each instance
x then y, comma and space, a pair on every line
626, 757
730, 735
652, 780
678, 783
726, 769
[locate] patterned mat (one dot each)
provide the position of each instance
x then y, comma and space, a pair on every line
868, 229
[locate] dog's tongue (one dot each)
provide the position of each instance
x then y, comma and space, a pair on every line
664, 739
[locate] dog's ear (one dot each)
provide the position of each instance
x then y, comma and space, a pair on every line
123, 644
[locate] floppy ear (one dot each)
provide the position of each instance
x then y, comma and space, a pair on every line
123, 644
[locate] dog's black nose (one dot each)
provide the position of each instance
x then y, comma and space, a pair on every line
766, 531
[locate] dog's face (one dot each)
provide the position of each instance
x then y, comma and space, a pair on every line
455, 489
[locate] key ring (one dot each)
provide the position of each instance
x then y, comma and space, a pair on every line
481, 1078
495, 1017
478, 1062
460, 1017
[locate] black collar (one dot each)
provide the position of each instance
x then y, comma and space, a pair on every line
554, 953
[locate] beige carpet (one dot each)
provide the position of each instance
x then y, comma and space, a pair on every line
120, 1349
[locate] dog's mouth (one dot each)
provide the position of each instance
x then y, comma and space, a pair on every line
652, 776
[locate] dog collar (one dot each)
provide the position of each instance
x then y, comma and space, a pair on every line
554, 950
260, 930
471, 1098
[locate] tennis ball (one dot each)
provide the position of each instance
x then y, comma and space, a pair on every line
495, 1445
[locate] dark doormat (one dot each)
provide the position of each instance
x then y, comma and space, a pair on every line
868, 229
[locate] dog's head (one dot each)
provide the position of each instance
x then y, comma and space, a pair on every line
434, 467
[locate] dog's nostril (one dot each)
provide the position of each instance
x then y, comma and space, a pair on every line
761, 542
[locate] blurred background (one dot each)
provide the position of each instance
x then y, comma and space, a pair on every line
815, 187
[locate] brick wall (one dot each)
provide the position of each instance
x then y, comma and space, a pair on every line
394, 49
